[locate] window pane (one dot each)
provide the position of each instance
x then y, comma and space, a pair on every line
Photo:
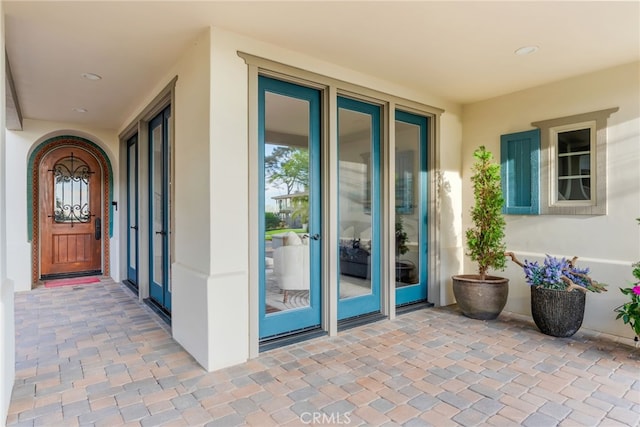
169, 179
407, 227
574, 189
132, 200
158, 205
71, 182
574, 141
286, 203
354, 190
574, 165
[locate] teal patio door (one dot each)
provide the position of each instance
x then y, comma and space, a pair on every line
359, 207
159, 209
289, 194
132, 210
411, 195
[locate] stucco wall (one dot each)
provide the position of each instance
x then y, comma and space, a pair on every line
225, 46
608, 244
209, 262
193, 294
7, 328
210, 265
19, 146
449, 218
211, 304
191, 270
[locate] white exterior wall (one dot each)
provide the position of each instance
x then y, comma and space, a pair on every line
608, 244
449, 219
192, 284
19, 146
210, 265
210, 273
228, 316
7, 325
191, 269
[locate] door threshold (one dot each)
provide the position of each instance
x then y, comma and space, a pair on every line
363, 319
44, 277
162, 313
288, 339
131, 286
413, 306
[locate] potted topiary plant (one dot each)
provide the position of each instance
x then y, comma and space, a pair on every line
404, 268
481, 296
558, 293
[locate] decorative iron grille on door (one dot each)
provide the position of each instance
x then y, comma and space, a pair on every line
71, 191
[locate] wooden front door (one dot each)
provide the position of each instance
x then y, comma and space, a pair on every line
70, 213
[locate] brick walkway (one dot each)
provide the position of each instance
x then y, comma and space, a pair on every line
91, 355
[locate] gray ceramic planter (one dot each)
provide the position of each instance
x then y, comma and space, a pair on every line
480, 299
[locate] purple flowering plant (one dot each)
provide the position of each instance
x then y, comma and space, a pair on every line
559, 274
550, 274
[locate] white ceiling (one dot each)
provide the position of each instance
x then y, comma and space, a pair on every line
461, 51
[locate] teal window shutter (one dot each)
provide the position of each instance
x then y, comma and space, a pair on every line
520, 170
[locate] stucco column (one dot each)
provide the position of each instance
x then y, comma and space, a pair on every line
7, 332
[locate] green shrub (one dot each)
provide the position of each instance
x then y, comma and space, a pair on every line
485, 240
271, 221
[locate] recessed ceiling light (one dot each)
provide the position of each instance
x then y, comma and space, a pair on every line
80, 110
91, 76
526, 50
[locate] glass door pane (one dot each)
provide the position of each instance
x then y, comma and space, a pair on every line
410, 202
289, 118
286, 202
359, 207
168, 224
158, 205
159, 145
132, 210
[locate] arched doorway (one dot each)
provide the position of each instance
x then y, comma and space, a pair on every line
71, 215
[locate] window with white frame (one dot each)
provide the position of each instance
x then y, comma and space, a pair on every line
573, 164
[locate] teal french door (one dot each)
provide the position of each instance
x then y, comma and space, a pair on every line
132, 210
289, 223
411, 195
159, 209
359, 193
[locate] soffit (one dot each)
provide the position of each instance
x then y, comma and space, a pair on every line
459, 51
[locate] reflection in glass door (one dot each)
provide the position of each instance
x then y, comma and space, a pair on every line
159, 162
289, 192
132, 210
359, 207
411, 207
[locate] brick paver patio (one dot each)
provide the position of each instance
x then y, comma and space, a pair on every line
92, 355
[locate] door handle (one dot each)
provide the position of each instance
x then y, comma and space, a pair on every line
314, 236
134, 227
161, 232
98, 229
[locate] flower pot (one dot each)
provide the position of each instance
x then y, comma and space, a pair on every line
557, 313
404, 271
480, 299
